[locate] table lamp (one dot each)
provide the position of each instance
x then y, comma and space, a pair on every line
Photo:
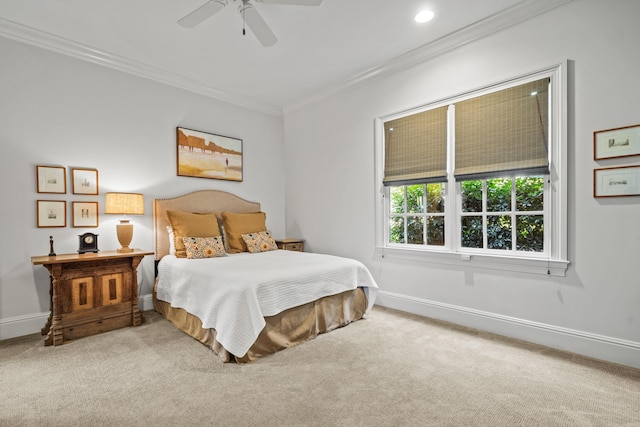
124, 204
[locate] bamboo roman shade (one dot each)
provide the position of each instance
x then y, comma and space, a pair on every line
503, 133
416, 148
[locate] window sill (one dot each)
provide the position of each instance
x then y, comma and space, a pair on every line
484, 261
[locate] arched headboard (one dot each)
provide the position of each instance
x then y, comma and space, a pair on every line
203, 201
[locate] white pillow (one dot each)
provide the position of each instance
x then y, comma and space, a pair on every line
172, 243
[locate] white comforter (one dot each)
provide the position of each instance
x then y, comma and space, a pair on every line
233, 294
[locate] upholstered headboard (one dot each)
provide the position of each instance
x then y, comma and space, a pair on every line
199, 202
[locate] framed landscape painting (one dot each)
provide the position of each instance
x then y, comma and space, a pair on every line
207, 155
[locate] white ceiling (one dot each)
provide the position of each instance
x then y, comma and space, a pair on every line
319, 50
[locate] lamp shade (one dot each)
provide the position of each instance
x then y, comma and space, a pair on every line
124, 204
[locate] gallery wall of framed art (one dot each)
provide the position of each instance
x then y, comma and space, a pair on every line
53, 213
615, 144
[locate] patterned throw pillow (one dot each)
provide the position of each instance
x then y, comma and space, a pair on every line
204, 247
259, 242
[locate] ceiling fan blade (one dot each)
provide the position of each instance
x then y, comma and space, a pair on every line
295, 2
202, 13
257, 25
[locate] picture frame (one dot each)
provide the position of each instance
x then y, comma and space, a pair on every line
51, 213
51, 179
84, 181
617, 142
208, 155
617, 181
84, 214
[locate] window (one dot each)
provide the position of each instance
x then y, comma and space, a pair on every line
417, 214
503, 214
478, 177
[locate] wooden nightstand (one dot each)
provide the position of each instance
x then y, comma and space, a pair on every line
91, 293
291, 244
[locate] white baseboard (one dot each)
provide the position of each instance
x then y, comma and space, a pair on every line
22, 325
33, 323
601, 347
592, 345
145, 302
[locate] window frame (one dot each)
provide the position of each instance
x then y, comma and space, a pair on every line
554, 261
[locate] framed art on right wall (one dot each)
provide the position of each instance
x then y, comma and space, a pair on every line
616, 182
618, 142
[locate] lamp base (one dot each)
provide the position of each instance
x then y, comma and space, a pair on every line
125, 234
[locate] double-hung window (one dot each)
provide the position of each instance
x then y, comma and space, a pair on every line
478, 177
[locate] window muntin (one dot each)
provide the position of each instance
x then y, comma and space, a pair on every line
503, 214
416, 214
496, 215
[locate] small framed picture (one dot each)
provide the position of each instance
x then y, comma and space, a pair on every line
616, 182
84, 181
51, 179
618, 142
85, 214
51, 213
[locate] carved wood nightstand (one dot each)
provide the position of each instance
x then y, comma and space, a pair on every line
291, 244
91, 293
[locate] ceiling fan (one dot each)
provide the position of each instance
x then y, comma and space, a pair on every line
250, 16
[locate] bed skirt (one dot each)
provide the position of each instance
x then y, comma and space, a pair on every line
284, 330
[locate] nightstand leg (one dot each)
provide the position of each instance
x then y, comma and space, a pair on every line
137, 317
47, 326
54, 323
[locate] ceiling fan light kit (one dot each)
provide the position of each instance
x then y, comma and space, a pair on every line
250, 16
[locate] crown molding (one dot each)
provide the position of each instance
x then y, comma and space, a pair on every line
502, 20
516, 14
44, 40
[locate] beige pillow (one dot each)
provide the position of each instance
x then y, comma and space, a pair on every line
237, 224
259, 242
187, 224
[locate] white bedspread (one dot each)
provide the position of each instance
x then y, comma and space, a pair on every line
233, 294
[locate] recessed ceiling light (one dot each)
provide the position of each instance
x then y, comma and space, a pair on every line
424, 16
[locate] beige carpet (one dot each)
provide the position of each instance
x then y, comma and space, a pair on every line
392, 369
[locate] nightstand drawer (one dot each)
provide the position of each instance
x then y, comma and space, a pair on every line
290, 245
294, 247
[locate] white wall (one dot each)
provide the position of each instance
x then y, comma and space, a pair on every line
56, 110
595, 309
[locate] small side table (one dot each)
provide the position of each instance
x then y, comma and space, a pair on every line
91, 293
291, 244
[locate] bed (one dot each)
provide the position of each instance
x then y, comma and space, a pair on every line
244, 298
